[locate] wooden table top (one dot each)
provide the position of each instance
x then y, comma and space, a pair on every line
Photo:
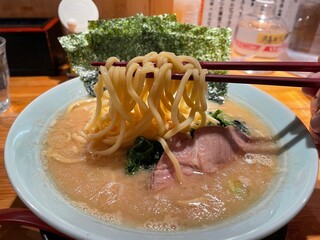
306, 225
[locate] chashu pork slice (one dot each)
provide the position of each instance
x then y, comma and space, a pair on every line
209, 150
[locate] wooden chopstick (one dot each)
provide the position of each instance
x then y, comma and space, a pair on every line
263, 80
270, 66
251, 79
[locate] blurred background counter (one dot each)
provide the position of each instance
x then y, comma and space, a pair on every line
300, 16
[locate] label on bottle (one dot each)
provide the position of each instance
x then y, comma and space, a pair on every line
257, 43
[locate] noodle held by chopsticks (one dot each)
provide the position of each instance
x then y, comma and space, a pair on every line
134, 105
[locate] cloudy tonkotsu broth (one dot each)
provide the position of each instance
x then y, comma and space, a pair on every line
100, 186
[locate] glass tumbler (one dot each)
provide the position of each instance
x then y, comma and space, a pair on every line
4, 77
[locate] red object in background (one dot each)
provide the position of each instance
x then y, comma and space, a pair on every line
32, 45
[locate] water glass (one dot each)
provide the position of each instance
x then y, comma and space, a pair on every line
4, 77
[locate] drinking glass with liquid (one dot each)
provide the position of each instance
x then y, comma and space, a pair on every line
4, 77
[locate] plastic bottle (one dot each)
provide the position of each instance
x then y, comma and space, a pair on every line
260, 33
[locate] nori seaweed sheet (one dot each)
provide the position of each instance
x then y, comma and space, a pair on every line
138, 35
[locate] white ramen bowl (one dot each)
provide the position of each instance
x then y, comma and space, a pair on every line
292, 189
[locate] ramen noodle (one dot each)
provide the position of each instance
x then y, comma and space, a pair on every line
86, 149
156, 108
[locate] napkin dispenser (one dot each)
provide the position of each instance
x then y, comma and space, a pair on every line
32, 45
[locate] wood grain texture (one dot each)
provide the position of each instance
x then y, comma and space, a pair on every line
107, 8
306, 225
27, 8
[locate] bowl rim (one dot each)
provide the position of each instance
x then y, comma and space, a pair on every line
75, 89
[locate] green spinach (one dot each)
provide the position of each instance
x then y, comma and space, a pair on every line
144, 154
226, 120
